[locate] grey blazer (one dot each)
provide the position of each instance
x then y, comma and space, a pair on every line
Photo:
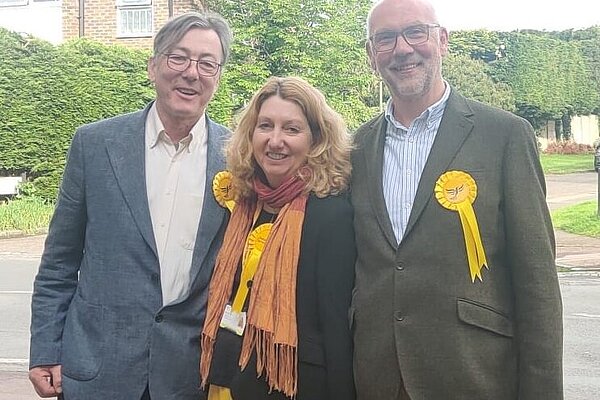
416, 314
97, 304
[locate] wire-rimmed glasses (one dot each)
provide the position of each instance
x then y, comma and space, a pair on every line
180, 63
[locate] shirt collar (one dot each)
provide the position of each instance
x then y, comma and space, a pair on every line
431, 114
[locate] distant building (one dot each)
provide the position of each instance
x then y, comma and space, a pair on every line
130, 23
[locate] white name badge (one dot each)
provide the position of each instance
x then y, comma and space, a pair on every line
233, 321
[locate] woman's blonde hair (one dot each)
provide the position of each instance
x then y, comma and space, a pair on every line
329, 156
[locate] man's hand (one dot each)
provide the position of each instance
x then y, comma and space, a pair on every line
46, 380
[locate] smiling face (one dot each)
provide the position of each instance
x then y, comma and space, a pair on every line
409, 71
281, 139
181, 97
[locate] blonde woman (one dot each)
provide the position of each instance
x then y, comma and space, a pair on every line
277, 323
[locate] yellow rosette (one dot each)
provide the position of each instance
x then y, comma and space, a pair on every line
456, 191
222, 190
255, 245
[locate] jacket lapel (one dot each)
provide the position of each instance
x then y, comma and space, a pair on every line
373, 152
212, 213
455, 127
127, 156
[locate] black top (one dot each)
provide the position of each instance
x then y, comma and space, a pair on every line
324, 290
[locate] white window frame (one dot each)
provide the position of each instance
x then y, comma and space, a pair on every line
132, 31
13, 3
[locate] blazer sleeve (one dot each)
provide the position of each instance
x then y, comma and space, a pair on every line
57, 277
336, 256
531, 254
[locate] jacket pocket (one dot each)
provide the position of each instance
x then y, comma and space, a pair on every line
82, 340
485, 317
311, 353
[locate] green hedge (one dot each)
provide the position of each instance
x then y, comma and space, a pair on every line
47, 91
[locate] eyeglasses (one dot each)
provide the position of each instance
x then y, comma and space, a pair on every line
413, 35
180, 63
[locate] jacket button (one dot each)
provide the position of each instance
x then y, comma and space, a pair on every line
399, 267
159, 318
398, 316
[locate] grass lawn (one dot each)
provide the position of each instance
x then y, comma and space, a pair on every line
567, 163
28, 215
581, 219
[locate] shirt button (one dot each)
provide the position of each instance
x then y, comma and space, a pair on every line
159, 318
398, 316
408, 171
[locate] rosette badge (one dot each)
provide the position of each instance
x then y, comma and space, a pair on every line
457, 191
222, 189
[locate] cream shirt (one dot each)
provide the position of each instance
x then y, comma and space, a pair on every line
175, 182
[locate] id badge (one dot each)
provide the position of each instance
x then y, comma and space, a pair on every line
233, 321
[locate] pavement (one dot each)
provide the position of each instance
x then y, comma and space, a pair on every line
573, 252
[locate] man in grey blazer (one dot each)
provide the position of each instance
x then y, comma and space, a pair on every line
120, 296
456, 294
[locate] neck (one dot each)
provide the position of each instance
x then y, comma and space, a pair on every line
408, 108
177, 127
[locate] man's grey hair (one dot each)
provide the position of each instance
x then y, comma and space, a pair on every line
176, 28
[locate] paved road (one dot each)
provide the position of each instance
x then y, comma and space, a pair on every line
564, 190
581, 308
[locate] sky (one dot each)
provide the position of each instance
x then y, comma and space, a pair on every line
508, 15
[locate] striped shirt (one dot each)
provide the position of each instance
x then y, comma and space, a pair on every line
404, 156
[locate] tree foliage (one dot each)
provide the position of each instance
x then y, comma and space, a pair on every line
477, 44
588, 41
319, 40
469, 77
549, 77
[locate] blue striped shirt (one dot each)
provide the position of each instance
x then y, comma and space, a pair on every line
404, 156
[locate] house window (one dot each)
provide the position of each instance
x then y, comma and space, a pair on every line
10, 3
134, 18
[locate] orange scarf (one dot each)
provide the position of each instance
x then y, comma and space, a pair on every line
271, 321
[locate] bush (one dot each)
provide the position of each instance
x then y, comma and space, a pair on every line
568, 148
27, 214
47, 91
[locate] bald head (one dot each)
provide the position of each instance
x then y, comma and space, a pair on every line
423, 8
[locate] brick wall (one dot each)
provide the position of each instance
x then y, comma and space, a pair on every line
100, 20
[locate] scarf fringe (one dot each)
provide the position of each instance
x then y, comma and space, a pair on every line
277, 361
208, 345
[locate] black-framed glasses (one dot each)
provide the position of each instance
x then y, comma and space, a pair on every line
180, 63
385, 41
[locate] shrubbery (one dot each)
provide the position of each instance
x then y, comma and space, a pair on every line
47, 91
568, 148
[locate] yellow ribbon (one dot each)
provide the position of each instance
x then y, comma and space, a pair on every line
254, 248
222, 190
456, 191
